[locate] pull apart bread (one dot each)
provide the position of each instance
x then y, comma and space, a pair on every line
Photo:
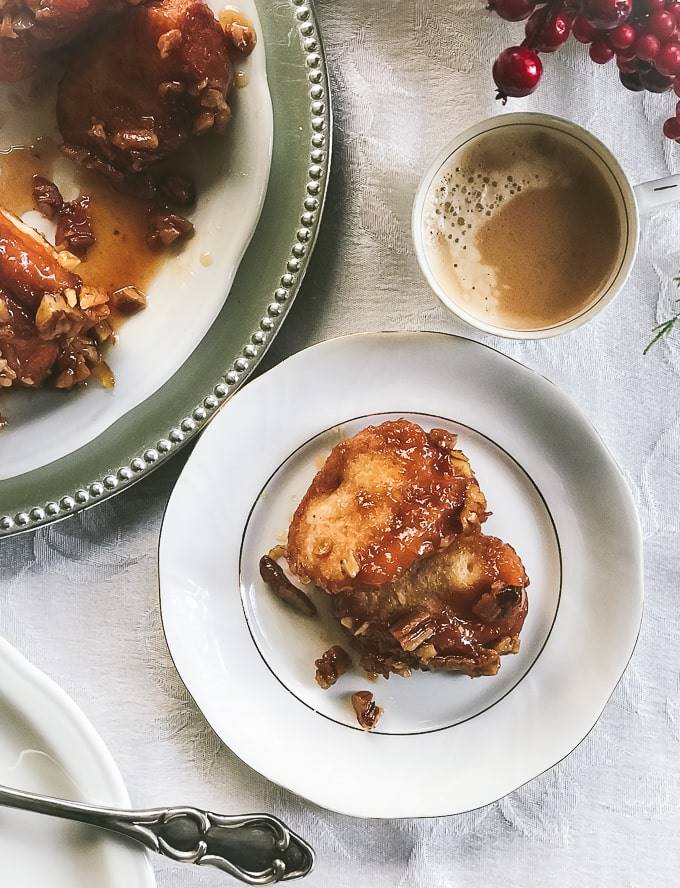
31, 28
51, 323
390, 528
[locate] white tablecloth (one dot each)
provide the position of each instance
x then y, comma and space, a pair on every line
81, 599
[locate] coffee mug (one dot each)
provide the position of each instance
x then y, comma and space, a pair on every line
634, 200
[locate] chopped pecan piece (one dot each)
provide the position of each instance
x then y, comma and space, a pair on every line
92, 297
331, 665
166, 229
47, 197
508, 645
413, 629
446, 441
169, 42
103, 374
349, 565
498, 603
486, 662
74, 227
282, 587
367, 712
140, 139
7, 375
129, 300
76, 361
239, 30
57, 317
375, 664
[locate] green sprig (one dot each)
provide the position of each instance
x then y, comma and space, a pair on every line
665, 327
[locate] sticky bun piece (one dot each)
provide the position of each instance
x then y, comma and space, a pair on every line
30, 28
384, 499
177, 75
48, 317
457, 611
391, 528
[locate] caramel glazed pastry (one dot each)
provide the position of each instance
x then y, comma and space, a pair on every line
142, 78
390, 528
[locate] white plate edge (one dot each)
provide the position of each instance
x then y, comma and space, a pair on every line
57, 698
631, 516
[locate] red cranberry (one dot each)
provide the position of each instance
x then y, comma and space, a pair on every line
583, 30
517, 72
535, 25
671, 128
661, 24
554, 33
647, 47
512, 10
622, 37
676, 86
607, 14
601, 52
667, 60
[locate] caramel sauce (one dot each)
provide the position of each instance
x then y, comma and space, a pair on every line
383, 499
230, 15
120, 257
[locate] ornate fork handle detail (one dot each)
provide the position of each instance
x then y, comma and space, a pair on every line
258, 849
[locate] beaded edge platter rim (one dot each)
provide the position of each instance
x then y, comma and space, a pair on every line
43, 503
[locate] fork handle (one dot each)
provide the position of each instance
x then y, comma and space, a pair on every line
257, 849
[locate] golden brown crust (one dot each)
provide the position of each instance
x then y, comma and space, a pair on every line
384, 499
458, 610
178, 73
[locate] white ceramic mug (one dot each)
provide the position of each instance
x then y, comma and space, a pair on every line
634, 201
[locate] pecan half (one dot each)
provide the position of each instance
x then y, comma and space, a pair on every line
413, 629
486, 663
331, 665
367, 712
282, 587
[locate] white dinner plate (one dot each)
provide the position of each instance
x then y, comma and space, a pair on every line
185, 296
47, 746
446, 743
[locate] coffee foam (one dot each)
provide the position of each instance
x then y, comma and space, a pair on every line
475, 185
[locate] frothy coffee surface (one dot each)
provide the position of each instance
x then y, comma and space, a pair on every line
522, 227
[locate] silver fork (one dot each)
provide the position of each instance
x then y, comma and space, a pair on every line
258, 849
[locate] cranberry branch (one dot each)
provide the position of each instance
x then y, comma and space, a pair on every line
642, 36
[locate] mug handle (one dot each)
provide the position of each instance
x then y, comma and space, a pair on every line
657, 193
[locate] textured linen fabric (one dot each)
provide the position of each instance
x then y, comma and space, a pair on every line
80, 599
